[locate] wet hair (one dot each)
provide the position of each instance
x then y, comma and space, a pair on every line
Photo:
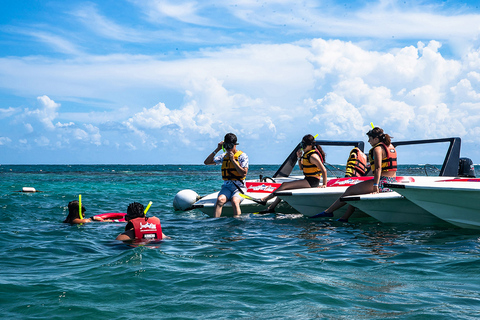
309, 140
378, 133
230, 138
135, 210
73, 211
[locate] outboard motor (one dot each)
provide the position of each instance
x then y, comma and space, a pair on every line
466, 168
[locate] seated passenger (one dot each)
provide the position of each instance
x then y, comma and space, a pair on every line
356, 164
310, 160
139, 227
383, 161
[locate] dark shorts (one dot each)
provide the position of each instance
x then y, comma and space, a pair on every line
313, 182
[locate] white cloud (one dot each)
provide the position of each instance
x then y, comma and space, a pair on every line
5, 113
46, 113
184, 11
42, 141
5, 140
90, 17
56, 42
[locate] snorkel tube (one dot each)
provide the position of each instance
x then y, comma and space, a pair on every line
371, 123
80, 206
146, 209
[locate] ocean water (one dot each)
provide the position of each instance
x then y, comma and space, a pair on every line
253, 267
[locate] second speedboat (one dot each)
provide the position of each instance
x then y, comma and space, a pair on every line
386, 208
456, 201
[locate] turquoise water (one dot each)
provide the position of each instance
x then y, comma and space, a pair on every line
253, 267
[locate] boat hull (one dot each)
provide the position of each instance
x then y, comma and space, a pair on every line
391, 207
255, 189
455, 201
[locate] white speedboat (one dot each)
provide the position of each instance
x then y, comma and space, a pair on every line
387, 208
456, 201
391, 207
311, 201
256, 189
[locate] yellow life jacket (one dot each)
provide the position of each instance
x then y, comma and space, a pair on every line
228, 169
310, 169
389, 163
356, 163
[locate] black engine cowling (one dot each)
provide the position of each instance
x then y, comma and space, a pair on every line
466, 168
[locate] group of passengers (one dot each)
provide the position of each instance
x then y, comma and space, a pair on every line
381, 163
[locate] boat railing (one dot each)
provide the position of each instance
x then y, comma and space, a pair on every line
287, 167
452, 157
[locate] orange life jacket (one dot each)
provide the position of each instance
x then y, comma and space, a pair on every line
389, 163
356, 163
228, 169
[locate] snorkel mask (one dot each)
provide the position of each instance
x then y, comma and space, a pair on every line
305, 144
228, 145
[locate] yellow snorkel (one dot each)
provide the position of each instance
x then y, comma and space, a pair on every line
80, 206
371, 123
146, 209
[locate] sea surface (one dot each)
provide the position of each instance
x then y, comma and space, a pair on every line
252, 267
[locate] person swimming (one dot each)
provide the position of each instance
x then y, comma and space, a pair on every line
139, 227
76, 217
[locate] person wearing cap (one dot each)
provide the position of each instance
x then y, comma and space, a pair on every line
383, 161
234, 171
310, 160
139, 227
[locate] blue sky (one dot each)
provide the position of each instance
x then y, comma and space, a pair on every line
161, 82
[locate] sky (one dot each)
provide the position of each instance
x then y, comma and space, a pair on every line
162, 81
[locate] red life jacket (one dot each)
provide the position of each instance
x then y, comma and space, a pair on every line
149, 229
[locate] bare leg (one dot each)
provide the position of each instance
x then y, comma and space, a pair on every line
298, 184
236, 206
359, 188
221, 200
348, 214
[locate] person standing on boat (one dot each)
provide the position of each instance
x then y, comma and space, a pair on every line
310, 160
383, 161
234, 171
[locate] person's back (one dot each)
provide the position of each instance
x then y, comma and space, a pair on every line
139, 227
356, 163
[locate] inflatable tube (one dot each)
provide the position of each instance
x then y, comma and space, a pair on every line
185, 199
115, 216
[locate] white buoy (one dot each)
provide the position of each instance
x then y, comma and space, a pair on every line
185, 199
28, 189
